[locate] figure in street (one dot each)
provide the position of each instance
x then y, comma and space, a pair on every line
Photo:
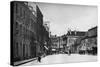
39, 59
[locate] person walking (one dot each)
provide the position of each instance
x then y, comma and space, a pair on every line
39, 59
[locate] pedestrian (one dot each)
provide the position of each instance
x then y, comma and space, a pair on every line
69, 52
39, 59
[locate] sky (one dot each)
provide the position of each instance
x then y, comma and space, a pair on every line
66, 16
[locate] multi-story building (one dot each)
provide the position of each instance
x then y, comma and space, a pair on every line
43, 34
57, 43
54, 44
28, 33
89, 42
64, 43
23, 31
46, 25
72, 37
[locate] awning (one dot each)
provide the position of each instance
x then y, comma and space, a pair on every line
46, 47
53, 49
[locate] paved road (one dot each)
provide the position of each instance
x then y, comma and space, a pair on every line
63, 58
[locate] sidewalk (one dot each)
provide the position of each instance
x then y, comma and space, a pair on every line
24, 61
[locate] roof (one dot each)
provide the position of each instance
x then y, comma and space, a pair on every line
86, 37
76, 33
93, 28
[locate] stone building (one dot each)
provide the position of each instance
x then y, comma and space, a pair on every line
54, 47
89, 42
72, 37
43, 34
57, 43
64, 42
46, 25
23, 31
28, 34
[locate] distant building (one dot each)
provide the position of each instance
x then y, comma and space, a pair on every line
68, 41
64, 42
89, 42
72, 37
55, 42
47, 25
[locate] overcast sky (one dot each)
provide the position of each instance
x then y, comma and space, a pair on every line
64, 16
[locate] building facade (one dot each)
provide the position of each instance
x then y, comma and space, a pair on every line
28, 33
72, 37
57, 43
89, 42
23, 31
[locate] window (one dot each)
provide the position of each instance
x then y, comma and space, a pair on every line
16, 8
24, 14
20, 11
16, 48
16, 28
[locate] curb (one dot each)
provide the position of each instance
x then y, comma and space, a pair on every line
24, 61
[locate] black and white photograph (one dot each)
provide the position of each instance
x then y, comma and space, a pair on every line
52, 33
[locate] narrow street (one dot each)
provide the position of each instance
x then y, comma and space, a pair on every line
40, 29
63, 58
